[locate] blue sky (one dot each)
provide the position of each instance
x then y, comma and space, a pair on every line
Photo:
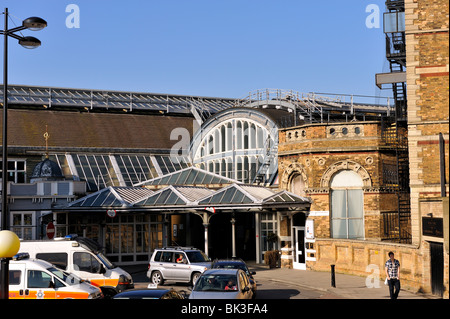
222, 48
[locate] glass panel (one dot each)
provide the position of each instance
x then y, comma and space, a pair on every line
163, 197
100, 199
355, 228
401, 22
17, 219
339, 228
191, 178
390, 22
182, 177
173, 179
238, 197
229, 195
208, 178
338, 205
27, 219
173, 199
110, 200
355, 203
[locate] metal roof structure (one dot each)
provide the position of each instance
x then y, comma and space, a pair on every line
312, 107
188, 176
171, 198
113, 197
51, 97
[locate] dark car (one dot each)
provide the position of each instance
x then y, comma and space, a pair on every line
236, 264
150, 294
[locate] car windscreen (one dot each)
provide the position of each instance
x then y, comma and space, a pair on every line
69, 279
105, 261
197, 256
225, 265
216, 282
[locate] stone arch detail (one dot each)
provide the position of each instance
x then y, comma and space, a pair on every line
345, 165
290, 172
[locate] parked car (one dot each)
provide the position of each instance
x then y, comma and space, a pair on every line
222, 284
82, 257
150, 294
236, 264
180, 264
37, 279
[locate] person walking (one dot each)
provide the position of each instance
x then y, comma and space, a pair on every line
392, 270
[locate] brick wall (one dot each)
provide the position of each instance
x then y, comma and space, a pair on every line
427, 68
318, 151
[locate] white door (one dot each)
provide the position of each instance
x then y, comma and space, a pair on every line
299, 261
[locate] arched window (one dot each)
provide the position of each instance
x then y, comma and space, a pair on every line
347, 205
260, 137
245, 170
210, 145
223, 136
239, 135
239, 168
246, 135
252, 136
229, 137
297, 185
217, 141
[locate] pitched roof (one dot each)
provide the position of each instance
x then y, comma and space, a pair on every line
192, 176
113, 197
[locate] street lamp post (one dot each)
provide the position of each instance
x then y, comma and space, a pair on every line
33, 24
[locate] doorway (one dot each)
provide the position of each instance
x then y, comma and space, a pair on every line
437, 268
299, 261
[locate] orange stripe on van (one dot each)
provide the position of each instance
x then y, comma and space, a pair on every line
104, 282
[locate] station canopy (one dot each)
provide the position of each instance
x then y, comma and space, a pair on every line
190, 190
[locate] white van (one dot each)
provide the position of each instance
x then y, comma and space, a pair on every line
38, 279
82, 257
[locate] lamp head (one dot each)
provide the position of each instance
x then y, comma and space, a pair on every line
34, 23
29, 42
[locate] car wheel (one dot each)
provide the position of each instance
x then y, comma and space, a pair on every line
195, 277
157, 278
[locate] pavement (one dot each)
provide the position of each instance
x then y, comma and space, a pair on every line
347, 286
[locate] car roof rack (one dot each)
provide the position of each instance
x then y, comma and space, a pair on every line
179, 248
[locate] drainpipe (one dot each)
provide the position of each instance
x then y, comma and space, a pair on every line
442, 164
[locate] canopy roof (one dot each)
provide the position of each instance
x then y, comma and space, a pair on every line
174, 198
191, 176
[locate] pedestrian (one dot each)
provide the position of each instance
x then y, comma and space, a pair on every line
392, 270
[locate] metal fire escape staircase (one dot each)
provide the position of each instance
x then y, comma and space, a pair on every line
269, 163
395, 129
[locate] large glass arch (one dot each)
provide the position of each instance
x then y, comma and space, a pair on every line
236, 145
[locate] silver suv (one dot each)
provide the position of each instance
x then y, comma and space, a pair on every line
180, 264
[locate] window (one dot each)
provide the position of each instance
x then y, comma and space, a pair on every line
16, 171
235, 149
297, 185
57, 259
14, 277
39, 279
268, 231
167, 257
394, 22
23, 225
347, 205
86, 262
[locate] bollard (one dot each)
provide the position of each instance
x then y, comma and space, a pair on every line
333, 277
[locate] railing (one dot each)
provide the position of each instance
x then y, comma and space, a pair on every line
316, 107
48, 97
396, 227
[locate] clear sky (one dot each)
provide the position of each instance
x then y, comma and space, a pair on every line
222, 48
